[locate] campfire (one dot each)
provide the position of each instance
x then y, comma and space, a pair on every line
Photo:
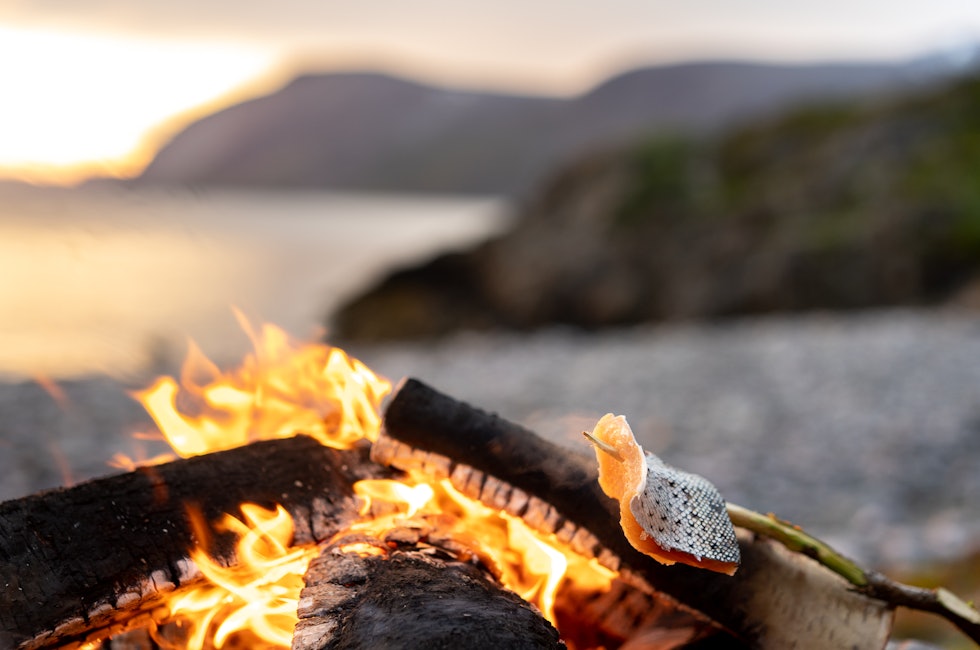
292, 514
320, 392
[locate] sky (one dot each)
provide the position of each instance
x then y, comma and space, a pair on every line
94, 87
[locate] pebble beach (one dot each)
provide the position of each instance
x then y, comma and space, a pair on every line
863, 428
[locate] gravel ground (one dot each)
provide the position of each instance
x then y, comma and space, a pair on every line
862, 428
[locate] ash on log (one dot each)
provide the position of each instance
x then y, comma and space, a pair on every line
75, 562
767, 604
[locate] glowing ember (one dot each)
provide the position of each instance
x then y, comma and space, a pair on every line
410, 498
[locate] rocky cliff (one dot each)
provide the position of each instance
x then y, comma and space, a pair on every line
842, 206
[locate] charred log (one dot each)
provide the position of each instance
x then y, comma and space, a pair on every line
78, 559
365, 593
556, 489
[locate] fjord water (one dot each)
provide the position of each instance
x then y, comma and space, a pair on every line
113, 281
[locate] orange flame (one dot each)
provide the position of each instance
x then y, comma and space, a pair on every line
259, 594
280, 390
284, 389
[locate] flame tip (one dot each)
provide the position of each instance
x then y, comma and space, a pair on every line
280, 388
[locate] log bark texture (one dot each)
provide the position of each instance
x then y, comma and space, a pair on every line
77, 559
412, 596
557, 488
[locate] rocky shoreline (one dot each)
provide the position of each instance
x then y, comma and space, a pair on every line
862, 428
836, 207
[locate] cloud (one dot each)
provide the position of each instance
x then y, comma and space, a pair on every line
494, 22
540, 39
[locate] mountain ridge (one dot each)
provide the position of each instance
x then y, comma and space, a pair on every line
373, 131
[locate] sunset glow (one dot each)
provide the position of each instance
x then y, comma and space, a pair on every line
80, 105
94, 87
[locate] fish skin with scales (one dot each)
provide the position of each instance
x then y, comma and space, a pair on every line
682, 511
666, 513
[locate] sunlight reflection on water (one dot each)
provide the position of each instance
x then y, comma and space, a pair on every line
99, 281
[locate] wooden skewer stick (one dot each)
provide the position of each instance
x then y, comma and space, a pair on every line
602, 446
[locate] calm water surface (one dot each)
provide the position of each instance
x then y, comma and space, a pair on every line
113, 281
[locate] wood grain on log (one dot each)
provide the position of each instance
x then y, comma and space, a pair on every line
496, 460
77, 559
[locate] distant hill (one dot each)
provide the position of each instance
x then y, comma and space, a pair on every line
847, 205
376, 132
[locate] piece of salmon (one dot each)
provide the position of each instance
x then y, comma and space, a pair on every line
671, 515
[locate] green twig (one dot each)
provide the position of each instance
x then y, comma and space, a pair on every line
871, 583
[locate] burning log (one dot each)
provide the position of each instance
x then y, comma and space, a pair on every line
425, 582
92, 561
81, 562
110, 567
777, 598
85, 563
407, 592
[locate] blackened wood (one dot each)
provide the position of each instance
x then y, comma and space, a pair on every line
501, 451
72, 559
412, 597
424, 418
